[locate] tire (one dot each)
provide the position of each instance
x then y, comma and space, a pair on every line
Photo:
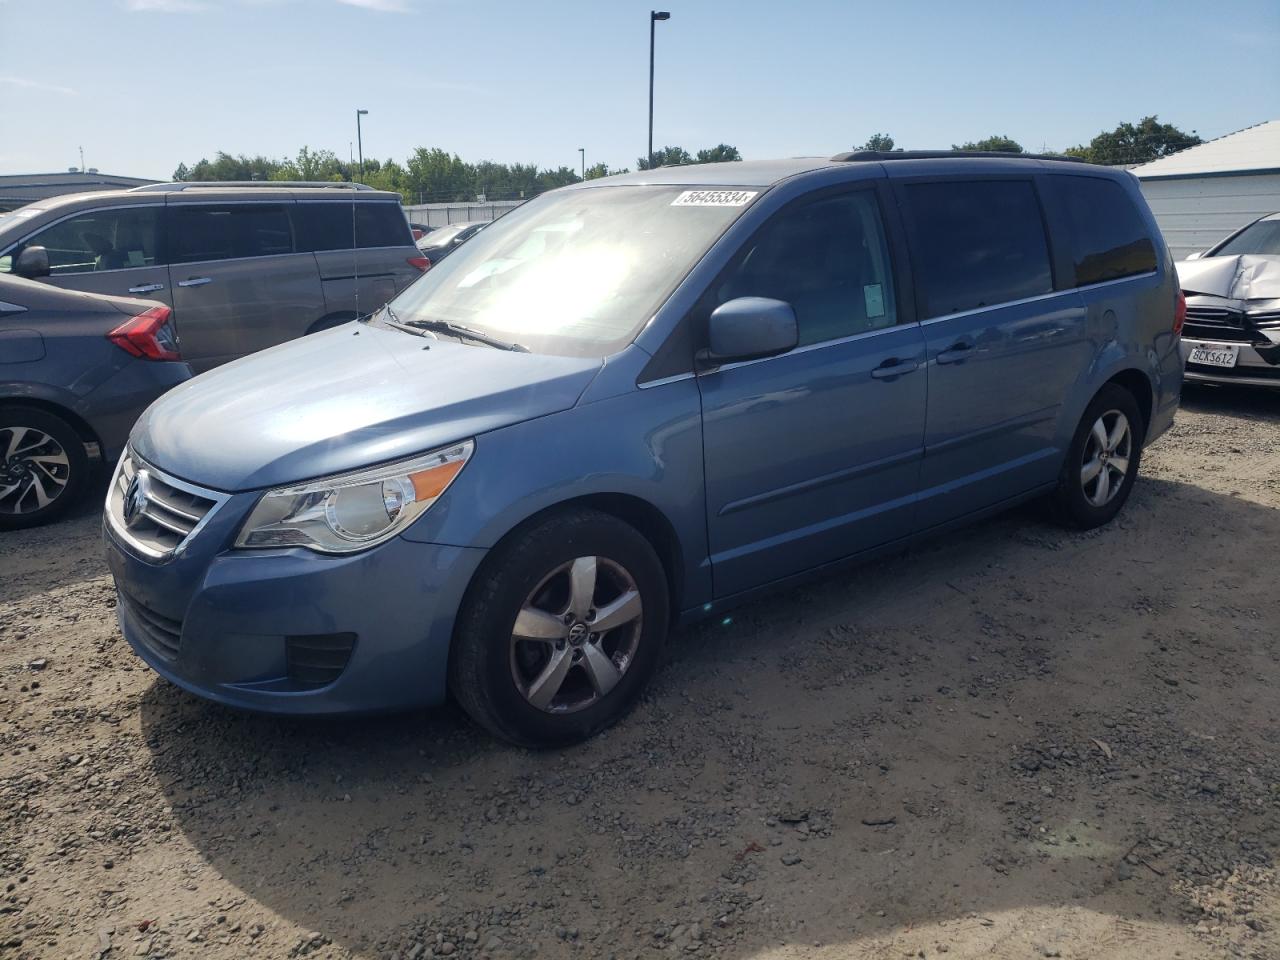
529, 579
41, 458
1080, 500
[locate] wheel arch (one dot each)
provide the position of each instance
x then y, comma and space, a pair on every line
1139, 385
642, 515
74, 420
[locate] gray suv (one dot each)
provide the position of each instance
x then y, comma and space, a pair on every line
243, 266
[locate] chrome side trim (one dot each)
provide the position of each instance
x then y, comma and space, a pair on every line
809, 347
1038, 297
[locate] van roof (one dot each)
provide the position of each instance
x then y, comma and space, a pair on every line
764, 173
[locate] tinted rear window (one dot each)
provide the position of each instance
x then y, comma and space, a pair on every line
328, 225
210, 232
1108, 236
977, 243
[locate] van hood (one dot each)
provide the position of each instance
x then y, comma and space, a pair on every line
1239, 277
344, 399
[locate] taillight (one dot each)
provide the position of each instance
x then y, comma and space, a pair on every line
418, 234
1180, 314
148, 335
422, 263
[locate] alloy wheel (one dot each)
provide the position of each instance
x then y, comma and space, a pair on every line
1106, 458
34, 470
576, 635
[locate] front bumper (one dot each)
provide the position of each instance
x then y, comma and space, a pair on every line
227, 625
1250, 369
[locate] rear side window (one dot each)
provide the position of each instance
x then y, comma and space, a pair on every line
976, 244
828, 258
200, 232
109, 239
1108, 236
327, 225
382, 225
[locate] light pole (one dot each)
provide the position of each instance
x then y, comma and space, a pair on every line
582, 153
359, 142
654, 17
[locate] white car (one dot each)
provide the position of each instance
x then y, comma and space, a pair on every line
1232, 331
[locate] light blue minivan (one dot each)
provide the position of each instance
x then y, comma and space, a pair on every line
632, 402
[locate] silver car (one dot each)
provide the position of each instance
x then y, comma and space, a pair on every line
243, 266
1232, 330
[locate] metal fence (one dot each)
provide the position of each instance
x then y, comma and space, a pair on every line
443, 214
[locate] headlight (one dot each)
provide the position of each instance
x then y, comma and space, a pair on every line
353, 511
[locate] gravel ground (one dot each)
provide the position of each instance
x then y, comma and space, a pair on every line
1011, 742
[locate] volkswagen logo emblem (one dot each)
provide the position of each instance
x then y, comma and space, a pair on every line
136, 497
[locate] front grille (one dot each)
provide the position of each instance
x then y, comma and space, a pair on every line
318, 660
162, 635
1266, 318
164, 511
1215, 317
1196, 330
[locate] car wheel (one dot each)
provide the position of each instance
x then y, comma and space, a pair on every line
1102, 462
560, 630
43, 467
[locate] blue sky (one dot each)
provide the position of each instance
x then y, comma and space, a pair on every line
144, 84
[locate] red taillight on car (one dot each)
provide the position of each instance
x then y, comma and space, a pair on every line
1180, 313
418, 234
148, 335
422, 263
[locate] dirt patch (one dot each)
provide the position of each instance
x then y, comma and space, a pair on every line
1012, 742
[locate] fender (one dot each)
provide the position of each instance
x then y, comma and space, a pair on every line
646, 444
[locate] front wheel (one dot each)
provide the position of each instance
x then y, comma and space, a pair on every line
1102, 462
561, 630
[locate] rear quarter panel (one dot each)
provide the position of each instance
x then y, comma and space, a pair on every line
1129, 325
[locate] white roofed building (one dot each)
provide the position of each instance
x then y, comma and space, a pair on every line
1201, 194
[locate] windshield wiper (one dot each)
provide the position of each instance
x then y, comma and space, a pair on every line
391, 320
458, 330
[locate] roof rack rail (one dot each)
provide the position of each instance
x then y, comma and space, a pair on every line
861, 155
241, 184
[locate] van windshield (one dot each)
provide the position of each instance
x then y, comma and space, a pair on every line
577, 272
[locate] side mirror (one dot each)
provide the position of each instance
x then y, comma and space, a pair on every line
32, 262
1195, 256
749, 328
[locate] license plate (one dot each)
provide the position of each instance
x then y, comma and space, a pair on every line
1215, 354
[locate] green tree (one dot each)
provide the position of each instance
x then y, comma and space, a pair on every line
182, 173
1148, 139
437, 176
664, 157
596, 171
718, 154
226, 167
310, 164
880, 143
992, 144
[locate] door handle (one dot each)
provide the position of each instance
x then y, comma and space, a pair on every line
147, 288
195, 282
956, 353
894, 367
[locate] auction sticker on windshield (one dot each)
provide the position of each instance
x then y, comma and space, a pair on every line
714, 198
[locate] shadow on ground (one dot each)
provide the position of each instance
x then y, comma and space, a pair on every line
1009, 719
